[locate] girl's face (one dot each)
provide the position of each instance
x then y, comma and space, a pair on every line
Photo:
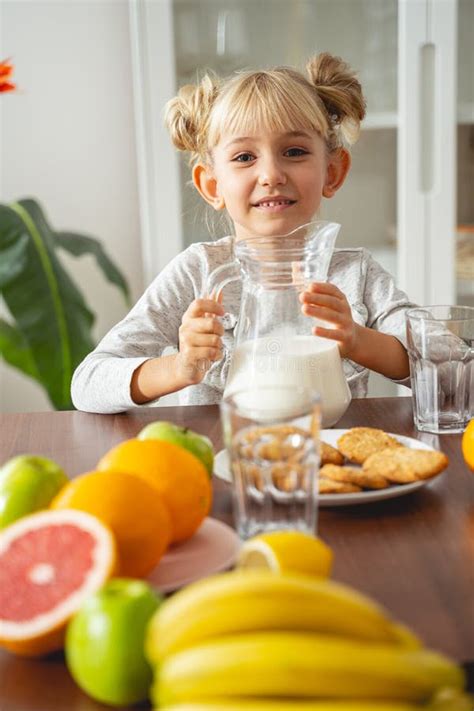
270, 183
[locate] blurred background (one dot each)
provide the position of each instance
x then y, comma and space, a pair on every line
82, 134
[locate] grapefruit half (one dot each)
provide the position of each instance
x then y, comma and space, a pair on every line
49, 563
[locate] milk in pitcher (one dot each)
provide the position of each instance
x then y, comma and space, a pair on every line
279, 359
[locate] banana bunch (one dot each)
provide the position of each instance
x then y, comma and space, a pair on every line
253, 640
451, 703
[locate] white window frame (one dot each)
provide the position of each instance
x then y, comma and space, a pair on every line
426, 155
154, 83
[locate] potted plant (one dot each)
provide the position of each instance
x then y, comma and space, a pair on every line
48, 329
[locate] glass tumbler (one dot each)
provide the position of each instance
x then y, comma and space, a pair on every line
272, 439
441, 351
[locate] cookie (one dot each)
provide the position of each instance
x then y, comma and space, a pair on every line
352, 475
330, 455
273, 433
280, 451
360, 442
328, 486
402, 465
250, 473
287, 477
279, 443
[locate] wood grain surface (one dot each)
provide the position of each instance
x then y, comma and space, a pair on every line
414, 554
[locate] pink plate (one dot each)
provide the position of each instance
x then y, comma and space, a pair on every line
213, 547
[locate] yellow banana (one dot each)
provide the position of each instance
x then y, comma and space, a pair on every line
245, 601
456, 701
286, 664
405, 636
282, 705
449, 699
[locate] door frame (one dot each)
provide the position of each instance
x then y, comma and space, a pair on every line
154, 83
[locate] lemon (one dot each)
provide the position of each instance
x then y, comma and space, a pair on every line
283, 551
468, 445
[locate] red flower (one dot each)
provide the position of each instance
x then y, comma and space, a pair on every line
6, 70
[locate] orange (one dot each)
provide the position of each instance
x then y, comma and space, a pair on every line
131, 508
179, 476
467, 445
51, 562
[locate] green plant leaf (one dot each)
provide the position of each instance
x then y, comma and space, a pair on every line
82, 244
16, 351
47, 307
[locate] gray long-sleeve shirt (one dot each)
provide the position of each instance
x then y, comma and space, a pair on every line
101, 383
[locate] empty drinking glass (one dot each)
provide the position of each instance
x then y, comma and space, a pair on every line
272, 437
441, 352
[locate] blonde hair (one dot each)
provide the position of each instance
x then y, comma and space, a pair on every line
329, 100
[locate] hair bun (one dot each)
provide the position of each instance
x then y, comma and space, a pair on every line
340, 91
186, 115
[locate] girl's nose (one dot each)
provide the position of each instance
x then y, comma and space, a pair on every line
271, 174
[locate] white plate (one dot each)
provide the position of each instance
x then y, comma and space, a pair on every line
214, 547
222, 470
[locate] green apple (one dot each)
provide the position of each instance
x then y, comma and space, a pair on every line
105, 642
27, 484
199, 445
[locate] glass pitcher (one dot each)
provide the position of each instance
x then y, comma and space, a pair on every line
274, 344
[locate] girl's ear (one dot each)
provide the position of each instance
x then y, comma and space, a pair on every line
206, 184
337, 169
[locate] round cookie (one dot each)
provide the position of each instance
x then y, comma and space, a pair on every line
351, 475
403, 465
330, 455
358, 443
328, 486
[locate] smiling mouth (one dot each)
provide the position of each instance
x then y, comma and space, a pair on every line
277, 203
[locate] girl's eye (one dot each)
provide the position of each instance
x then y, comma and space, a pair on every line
295, 152
243, 158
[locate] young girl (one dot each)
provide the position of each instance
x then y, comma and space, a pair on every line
265, 146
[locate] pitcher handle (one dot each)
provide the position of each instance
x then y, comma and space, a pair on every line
220, 277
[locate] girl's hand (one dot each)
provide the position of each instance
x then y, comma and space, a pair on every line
200, 342
327, 303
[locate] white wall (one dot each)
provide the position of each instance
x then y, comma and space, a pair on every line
67, 139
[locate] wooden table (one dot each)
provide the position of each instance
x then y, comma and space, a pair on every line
414, 554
